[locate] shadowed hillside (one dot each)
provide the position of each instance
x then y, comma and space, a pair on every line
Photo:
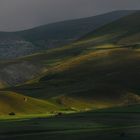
58, 34
125, 31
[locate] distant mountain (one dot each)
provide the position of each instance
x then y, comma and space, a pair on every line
17, 44
67, 31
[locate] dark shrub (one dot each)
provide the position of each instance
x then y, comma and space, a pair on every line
59, 114
12, 114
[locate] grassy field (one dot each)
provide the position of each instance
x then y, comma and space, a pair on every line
83, 126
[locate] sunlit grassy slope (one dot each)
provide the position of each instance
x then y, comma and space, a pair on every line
123, 31
21, 105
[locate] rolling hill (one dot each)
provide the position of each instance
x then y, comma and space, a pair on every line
11, 102
103, 73
102, 78
22, 43
94, 72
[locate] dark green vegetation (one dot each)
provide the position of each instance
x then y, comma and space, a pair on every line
83, 126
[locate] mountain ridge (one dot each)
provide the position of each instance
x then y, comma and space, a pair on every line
18, 44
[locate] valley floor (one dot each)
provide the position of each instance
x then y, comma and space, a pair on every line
80, 126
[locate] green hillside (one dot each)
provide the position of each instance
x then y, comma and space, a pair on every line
21, 105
